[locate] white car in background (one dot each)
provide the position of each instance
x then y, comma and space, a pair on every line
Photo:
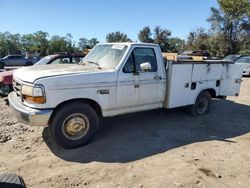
245, 61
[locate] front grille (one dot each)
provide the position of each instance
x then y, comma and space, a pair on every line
17, 88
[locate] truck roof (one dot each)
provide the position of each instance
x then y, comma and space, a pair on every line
131, 43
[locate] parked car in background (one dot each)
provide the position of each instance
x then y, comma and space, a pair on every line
6, 82
245, 61
16, 60
233, 57
59, 58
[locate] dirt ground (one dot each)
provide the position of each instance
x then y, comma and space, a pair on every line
150, 149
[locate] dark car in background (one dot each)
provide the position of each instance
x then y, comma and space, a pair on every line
17, 60
59, 58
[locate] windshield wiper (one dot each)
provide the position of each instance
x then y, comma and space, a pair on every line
91, 62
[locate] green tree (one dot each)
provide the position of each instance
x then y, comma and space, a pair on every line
41, 42
145, 35
37, 42
216, 46
198, 40
176, 45
245, 44
70, 43
58, 44
83, 44
92, 42
28, 43
161, 37
9, 43
230, 21
117, 37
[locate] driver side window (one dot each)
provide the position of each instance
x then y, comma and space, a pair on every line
139, 56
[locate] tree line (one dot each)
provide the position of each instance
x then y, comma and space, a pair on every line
229, 33
40, 43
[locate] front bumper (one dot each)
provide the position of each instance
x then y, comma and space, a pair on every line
30, 116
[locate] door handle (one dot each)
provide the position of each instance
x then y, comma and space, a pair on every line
157, 77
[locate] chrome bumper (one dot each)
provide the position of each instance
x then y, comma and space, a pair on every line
28, 115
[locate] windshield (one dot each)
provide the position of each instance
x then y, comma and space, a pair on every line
44, 60
105, 56
244, 60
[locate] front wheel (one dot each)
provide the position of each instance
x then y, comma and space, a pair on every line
74, 125
202, 104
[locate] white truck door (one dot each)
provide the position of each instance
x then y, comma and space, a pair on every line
231, 80
151, 89
127, 90
138, 90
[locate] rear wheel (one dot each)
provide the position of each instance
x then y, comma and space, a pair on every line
202, 104
74, 125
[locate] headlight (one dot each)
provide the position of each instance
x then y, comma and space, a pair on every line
1, 78
33, 94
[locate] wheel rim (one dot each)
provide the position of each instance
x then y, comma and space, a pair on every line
202, 105
75, 126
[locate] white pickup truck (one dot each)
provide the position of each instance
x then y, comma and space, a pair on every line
114, 79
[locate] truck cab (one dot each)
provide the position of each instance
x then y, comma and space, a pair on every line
114, 79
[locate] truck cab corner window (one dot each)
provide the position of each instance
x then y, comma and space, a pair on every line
129, 65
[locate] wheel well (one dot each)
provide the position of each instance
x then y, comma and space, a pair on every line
92, 103
212, 92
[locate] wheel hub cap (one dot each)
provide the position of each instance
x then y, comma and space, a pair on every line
75, 126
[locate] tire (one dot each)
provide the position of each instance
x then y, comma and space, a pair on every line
10, 180
202, 104
1, 65
74, 125
28, 64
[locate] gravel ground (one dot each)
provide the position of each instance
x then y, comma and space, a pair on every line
150, 149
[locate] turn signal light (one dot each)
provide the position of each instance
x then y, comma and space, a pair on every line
38, 100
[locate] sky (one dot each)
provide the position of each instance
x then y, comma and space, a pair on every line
96, 18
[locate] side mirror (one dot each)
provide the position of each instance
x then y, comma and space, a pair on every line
145, 66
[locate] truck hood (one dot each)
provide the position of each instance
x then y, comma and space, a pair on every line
32, 73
